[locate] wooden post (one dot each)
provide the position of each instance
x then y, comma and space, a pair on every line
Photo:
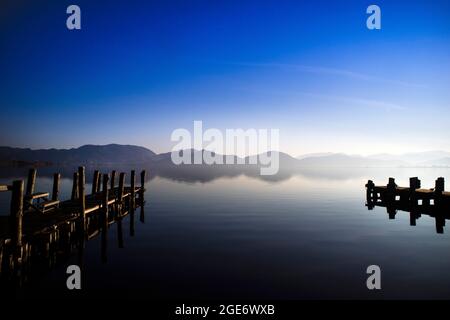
56, 180
82, 198
119, 233
95, 181
113, 179
105, 201
31, 181
132, 213
438, 189
414, 184
120, 193
132, 187
412, 218
121, 186
440, 223
141, 195
105, 220
16, 213
390, 190
370, 194
75, 186
369, 191
142, 214
391, 211
440, 185
391, 185
132, 201
99, 183
426, 201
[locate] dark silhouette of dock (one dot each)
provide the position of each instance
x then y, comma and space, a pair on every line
41, 227
433, 202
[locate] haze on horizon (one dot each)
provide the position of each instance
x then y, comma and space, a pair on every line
138, 71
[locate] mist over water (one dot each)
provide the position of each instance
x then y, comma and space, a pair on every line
305, 235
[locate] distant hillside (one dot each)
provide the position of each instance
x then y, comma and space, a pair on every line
87, 154
285, 160
443, 162
343, 160
314, 155
414, 158
129, 154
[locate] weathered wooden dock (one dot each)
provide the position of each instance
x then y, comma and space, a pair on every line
40, 225
434, 202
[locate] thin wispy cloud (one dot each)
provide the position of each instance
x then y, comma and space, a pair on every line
386, 106
361, 102
330, 71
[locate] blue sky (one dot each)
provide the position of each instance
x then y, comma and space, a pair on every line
137, 70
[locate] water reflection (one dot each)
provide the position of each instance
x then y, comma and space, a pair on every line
41, 254
204, 173
244, 237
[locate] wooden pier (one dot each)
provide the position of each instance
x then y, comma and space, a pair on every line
434, 202
40, 225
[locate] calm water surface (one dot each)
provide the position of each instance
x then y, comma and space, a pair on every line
308, 236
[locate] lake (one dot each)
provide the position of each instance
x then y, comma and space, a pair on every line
307, 235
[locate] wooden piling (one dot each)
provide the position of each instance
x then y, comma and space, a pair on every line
132, 214
16, 213
31, 182
105, 199
81, 195
113, 179
390, 190
104, 219
391, 212
88, 215
132, 200
391, 184
414, 183
438, 190
132, 187
369, 190
95, 181
120, 209
56, 183
120, 192
75, 186
439, 185
142, 214
99, 182
121, 187
119, 233
440, 223
412, 218
141, 195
